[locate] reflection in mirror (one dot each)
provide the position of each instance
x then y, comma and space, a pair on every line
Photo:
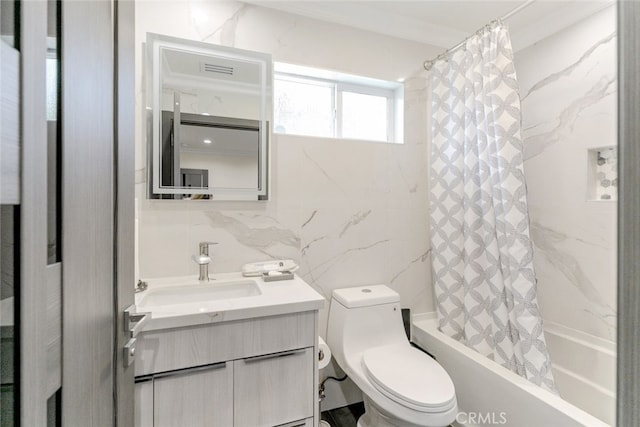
213, 152
210, 109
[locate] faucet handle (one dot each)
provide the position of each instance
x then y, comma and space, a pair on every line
204, 247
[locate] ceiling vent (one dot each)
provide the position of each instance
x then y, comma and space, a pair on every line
214, 68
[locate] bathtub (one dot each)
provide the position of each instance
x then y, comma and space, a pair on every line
584, 368
489, 394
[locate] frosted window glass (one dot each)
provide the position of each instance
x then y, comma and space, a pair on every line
364, 116
303, 108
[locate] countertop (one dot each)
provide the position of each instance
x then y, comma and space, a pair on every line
276, 298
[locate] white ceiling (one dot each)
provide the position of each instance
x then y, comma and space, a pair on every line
445, 23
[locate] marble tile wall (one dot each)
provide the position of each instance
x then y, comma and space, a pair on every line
568, 91
348, 212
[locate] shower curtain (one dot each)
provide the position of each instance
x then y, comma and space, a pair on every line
481, 250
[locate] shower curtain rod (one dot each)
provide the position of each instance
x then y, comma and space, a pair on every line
428, 64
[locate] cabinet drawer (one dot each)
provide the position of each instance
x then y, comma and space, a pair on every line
143, 398
179, 348
201, 397
300, 423
274, 389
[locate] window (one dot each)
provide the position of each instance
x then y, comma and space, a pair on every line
313, 102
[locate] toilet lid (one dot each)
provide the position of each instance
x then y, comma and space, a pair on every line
410, 377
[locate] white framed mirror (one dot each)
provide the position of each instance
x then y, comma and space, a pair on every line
209, 109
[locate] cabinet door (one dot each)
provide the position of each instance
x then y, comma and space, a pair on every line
143, 397
198, 397
274, 389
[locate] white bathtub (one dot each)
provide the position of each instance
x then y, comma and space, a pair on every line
489, 394
584, 368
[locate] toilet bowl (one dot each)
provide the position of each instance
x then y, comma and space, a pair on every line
402, 386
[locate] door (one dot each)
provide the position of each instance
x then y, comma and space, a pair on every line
9, 210
97, 211
75, 211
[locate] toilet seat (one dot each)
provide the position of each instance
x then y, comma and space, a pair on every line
409, 377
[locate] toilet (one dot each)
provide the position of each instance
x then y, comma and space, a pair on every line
402, 386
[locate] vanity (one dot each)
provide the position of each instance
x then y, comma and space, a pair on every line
231, 352
234, 351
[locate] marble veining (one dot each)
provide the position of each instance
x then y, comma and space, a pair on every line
411, 185
253, 237
228, 29
608, 321
569, 110
324, 266
565, 122
422, 258
569, 69
313, 214
548, 242
353, 221
323, 171
308, 245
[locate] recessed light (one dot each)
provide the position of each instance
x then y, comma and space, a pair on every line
207, 141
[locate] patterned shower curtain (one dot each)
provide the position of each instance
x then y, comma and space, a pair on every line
481, 250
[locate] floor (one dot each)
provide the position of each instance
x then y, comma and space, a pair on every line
347, 416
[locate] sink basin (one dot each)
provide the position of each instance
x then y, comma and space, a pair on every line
182, 301
199, 293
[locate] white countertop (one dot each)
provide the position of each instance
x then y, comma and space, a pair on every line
277, 297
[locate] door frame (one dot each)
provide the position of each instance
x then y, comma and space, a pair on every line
33, 286
124, 202
628, 382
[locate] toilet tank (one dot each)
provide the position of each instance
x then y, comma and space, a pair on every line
363, 317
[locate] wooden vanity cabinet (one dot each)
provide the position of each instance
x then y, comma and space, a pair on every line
268, 378
273, 389
195, 397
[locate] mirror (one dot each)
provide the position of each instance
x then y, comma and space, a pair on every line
209, 110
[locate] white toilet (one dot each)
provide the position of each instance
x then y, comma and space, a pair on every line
402, 386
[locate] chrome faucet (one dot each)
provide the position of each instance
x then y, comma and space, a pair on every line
203, 260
